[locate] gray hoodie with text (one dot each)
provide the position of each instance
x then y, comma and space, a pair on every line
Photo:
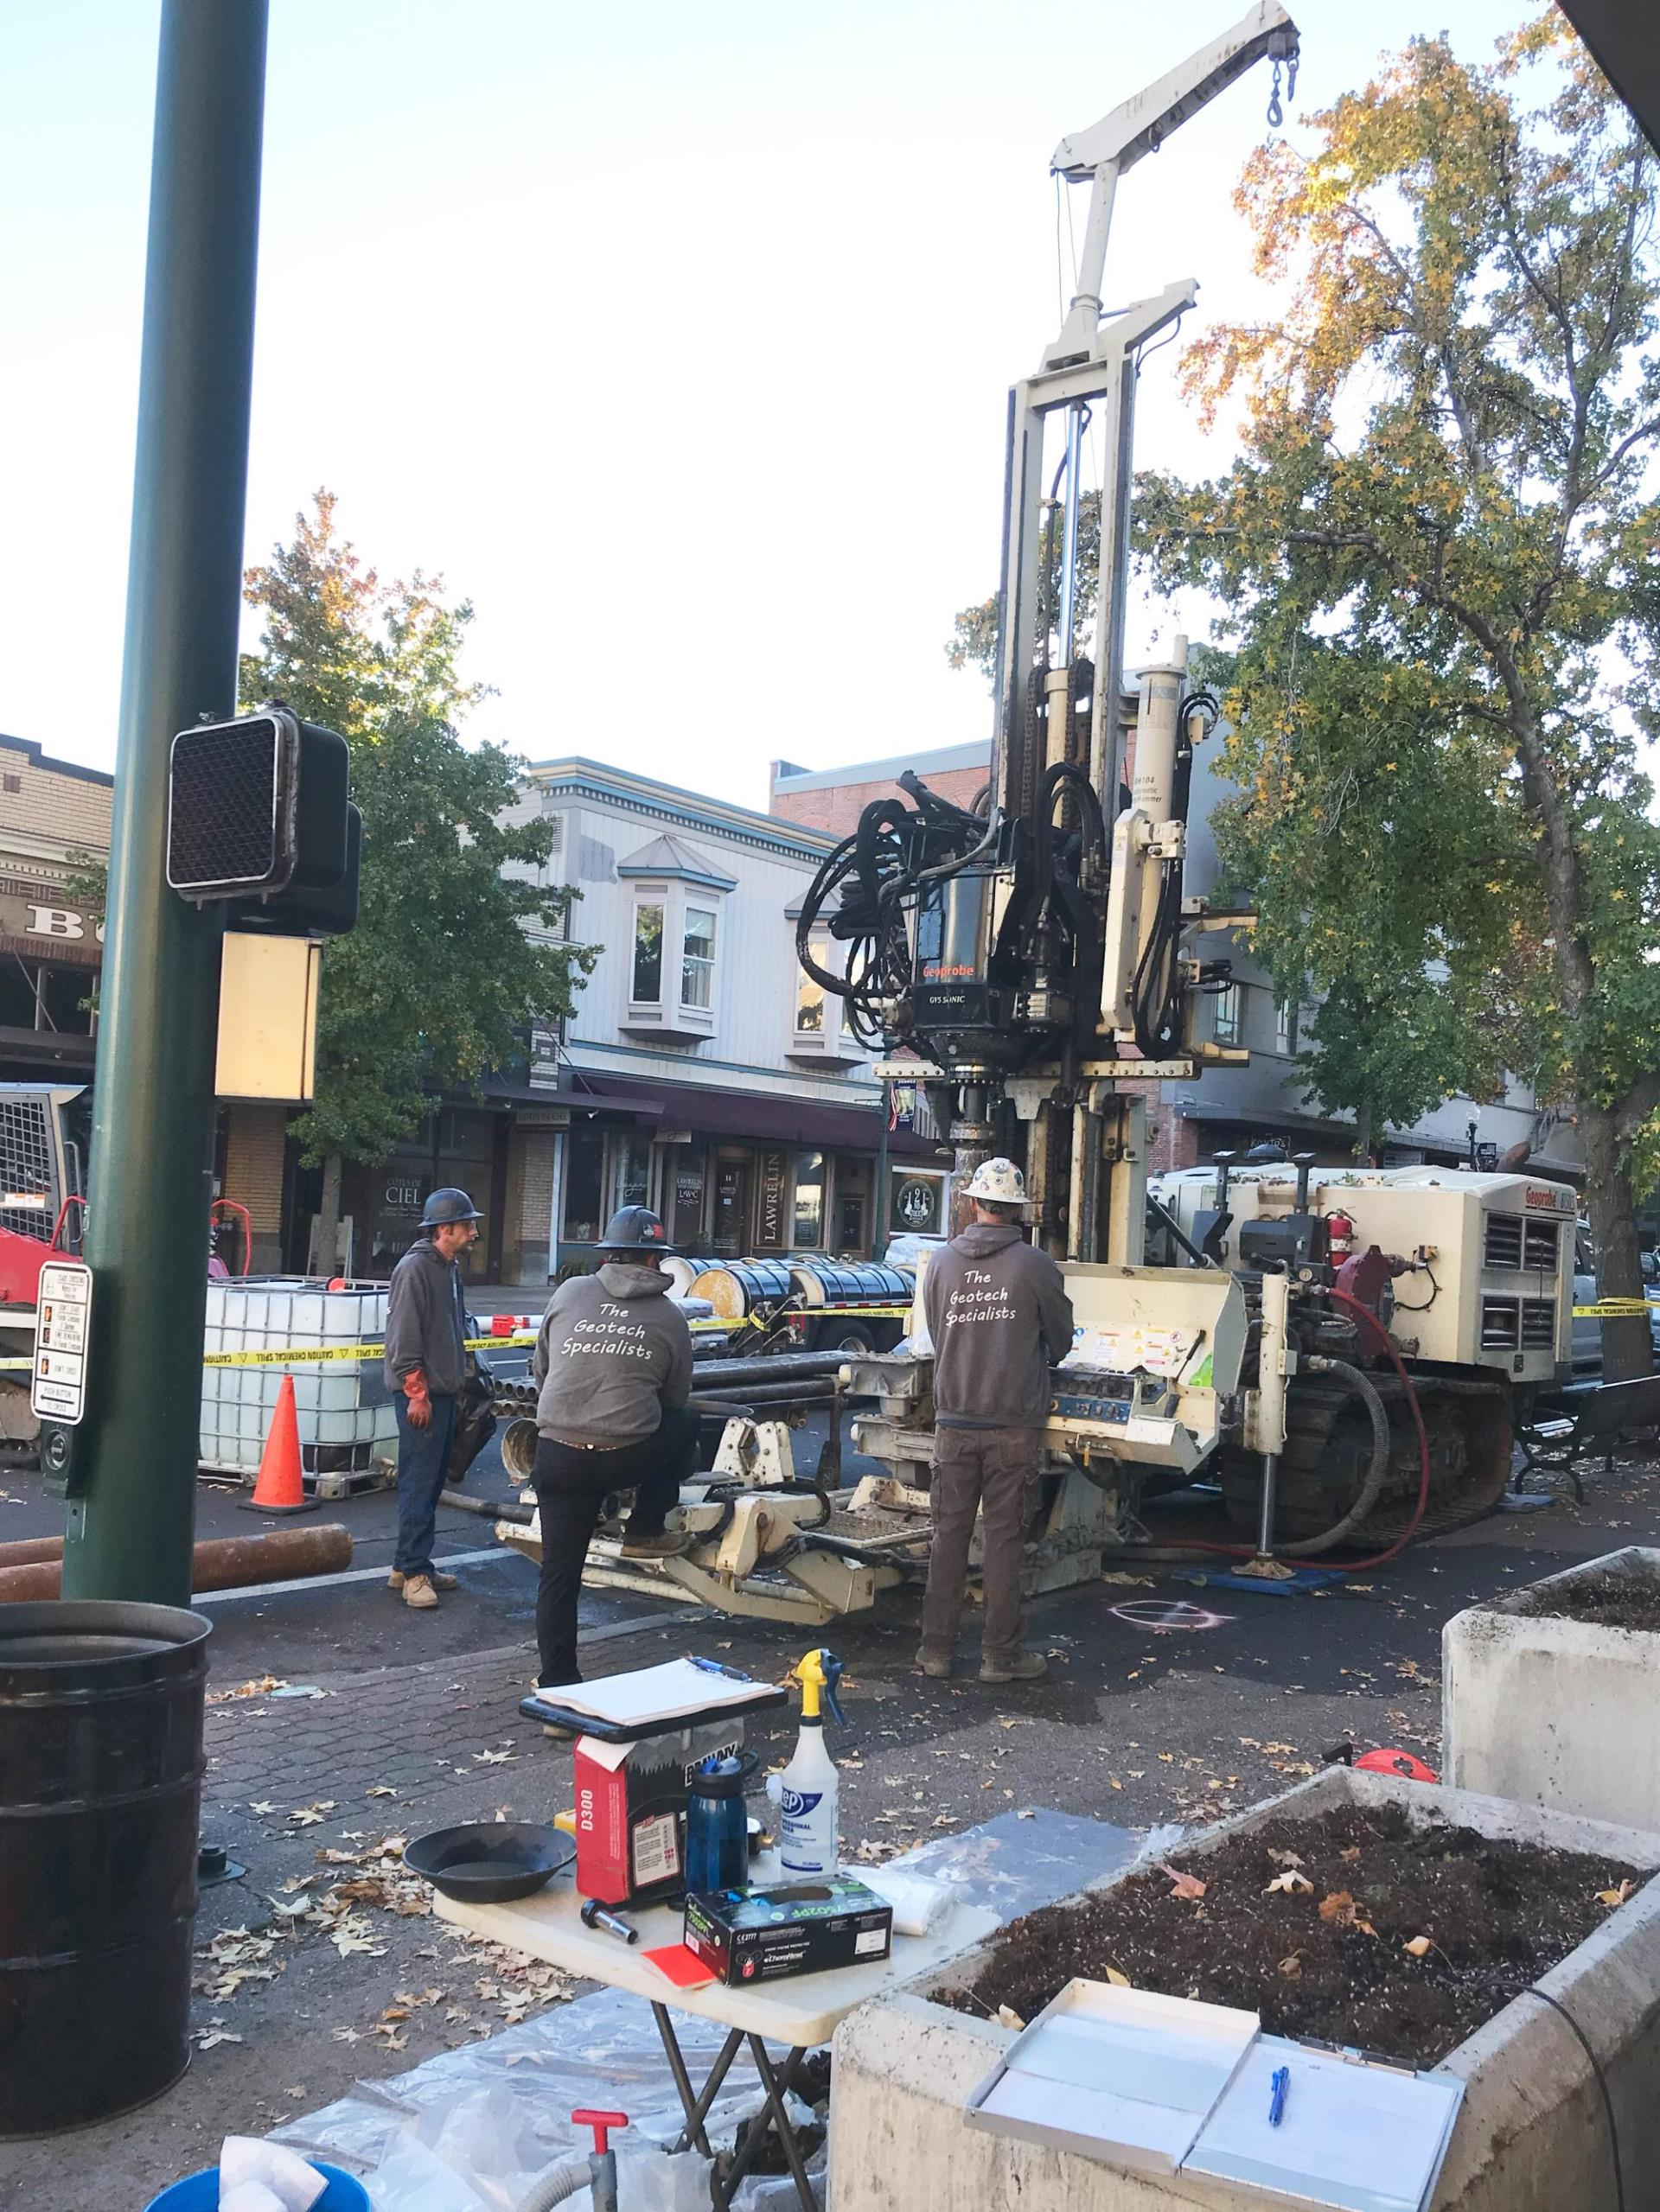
613, 1353
999, 1315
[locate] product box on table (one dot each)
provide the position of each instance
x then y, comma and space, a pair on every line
793, 1928
631, 1802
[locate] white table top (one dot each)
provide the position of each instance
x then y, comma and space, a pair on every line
801, 2011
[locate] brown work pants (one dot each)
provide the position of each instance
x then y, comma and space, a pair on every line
993, 1472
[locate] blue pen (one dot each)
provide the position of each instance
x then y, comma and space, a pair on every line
714, 1666
1282, 2082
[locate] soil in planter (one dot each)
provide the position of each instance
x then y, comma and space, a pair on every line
1497, 1915
1606, 1600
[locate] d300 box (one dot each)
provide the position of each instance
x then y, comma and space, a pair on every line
797, 1927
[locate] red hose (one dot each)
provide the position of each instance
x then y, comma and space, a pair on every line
1378, 1558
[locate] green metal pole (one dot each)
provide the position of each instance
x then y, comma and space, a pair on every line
132, 1514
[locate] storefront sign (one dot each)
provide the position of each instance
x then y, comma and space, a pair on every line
775, 1197
37, 918
916, 1203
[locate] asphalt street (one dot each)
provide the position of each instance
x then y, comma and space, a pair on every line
386, 1723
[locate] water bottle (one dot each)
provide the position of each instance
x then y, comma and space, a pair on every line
717, 1824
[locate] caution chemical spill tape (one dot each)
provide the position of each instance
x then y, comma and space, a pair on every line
1613, 1309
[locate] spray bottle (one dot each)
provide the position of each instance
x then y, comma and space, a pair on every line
807, 1792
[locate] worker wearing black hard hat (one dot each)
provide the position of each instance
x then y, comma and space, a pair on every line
425, 1366
614, 1361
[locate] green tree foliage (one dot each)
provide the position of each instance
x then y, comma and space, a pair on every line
1445, 491
973, 641
451, 957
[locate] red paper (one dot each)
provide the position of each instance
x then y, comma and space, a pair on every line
683, 1967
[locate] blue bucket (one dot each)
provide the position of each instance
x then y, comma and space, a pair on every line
199, 2193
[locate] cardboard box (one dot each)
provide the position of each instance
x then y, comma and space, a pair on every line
794, 1928
631, 1811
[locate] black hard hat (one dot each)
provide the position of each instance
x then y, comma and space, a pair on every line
1269, 1153
634, 1228
446, 1204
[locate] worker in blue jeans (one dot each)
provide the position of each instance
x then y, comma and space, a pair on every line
425, 1368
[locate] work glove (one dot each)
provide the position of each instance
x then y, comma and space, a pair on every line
417, 1405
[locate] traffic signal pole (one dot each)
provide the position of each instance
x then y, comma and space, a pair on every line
132, 1482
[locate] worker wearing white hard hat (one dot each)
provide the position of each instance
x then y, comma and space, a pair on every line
998, 1316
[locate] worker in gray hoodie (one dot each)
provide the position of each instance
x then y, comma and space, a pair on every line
425, 1366
614, 1361
998, 1316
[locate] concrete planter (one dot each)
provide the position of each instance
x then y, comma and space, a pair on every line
1553, 1711
1532, 2136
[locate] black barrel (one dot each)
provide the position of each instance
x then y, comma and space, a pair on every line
100, 1781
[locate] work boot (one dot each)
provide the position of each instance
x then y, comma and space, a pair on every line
419, 1592
935, 1664
652, 1543
1018, 1667
438, 1580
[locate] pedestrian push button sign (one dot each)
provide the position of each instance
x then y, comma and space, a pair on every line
63, 1329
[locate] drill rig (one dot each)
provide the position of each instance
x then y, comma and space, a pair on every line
1034, 963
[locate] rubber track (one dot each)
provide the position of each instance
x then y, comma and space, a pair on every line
1304, 1507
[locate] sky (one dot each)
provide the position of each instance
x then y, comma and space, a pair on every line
676, 339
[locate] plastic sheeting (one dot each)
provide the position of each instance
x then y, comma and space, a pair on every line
469, 2131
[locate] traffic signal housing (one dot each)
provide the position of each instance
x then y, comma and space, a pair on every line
259, 819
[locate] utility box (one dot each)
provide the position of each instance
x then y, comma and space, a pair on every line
268, 1018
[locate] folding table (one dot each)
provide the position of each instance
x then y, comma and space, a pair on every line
800, 2012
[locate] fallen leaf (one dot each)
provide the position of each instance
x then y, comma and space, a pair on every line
1420, 1946
1291, 1882
381, 1789
1285, 1858
1340, 1910
1351, 1854
494, 1758
346, 2036
391, 2040
1612, 1897
1291, 1968
207, 2039
1029, 1814
264, 1805
1187, 1886
1119, 1981
1009, 2017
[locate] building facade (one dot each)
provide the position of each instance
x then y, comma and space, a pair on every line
54, 829
701, 1072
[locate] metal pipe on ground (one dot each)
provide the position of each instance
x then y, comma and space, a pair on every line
778, 1367
29, 1551
771, 1394
490, 1508
219, 1563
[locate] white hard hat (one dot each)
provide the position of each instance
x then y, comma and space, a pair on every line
1000, 1183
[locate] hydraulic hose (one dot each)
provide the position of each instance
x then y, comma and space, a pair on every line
561, 2180
1356, 1380
1163, 1552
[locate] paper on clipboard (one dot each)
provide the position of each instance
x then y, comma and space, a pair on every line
649, 1693
1357, 2137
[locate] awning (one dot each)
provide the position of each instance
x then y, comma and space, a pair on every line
758, 1116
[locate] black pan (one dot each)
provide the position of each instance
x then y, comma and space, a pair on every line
489, 1862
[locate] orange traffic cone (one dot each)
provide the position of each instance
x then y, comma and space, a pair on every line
279, 1489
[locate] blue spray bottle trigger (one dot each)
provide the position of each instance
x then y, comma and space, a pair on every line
833, 1672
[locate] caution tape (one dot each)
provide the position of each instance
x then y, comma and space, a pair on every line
1613, 1309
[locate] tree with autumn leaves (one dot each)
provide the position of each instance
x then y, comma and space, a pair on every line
459, 942
1440, 549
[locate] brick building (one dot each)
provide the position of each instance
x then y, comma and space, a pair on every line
54, 820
